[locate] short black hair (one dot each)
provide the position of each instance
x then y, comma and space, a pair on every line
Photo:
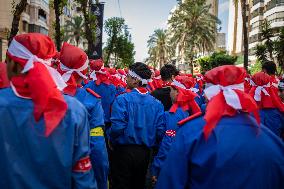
167, 71
142, 70
270, 67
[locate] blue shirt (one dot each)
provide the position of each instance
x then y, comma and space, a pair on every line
136, 119
273, 119
237, 155
107, 92
31, 160
171, 120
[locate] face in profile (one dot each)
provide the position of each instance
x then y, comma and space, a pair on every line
131, 82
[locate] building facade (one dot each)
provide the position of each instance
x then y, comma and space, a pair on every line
272, 11
35, 18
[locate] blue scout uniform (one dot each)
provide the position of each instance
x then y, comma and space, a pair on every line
171, 120
107, 92
136, 119
31, 160
273, 119
99, 156
237, 155
200, 99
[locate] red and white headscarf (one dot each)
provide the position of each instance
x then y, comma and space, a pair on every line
186, 83
264, 93
73, 64
99, 74
200, 81
39, 81
225, 90
4, 81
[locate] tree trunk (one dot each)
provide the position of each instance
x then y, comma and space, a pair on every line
16, 19
235, 28
88, 32
57, 24
245, 32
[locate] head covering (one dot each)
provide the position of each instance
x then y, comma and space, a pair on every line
4, 81
185, 82
247, 83
99, 73
55, 60
33, 52
263, 93
73, 65
184, 100
226, 92
157, 81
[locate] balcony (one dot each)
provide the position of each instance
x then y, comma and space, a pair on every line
257, 1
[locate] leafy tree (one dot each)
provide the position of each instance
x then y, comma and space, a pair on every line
260, 52
119, 43
17, 11
193, 29
255, 68
279, 50
215, 60
266, 35
74, 30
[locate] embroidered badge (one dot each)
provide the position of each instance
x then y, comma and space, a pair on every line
171, 133
83, 165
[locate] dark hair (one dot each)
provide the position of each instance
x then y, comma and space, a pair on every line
142, 70
167, 71
270, 67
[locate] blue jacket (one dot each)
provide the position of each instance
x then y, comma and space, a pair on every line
274, 120
171, 120
237, 155
136, 119
99, 156
31, 160
107, 92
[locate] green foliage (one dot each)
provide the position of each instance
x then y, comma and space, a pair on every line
119, 44
260, 52
279, 50
255, 68
215, 60
74, 30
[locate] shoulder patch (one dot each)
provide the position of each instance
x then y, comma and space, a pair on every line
171, 133
93, 93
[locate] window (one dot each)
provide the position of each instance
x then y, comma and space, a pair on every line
41, 15
25, 26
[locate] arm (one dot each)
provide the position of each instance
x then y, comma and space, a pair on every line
174, 173
119, 118
82, 173
160, 124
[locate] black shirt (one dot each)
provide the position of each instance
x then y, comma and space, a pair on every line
163, 95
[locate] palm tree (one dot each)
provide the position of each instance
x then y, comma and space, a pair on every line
260, 52
279, 50
245, 29
193, 29
74, 30
159, 49
266, 35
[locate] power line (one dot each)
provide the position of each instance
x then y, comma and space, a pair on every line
119, 8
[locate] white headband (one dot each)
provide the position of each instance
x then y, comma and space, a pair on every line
231, 97
18, 50
66, 76
179, 84
135, 75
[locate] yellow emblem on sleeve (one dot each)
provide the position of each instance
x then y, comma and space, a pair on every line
98, 131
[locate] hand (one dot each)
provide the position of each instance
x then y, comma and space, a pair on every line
154, 180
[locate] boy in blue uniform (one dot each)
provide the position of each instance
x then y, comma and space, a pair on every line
271, 107
226, 148
101, 84
183, 105
73, 67
137, 125
44, 135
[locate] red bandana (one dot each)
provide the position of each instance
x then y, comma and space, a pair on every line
4, 81
223, 78
37, 83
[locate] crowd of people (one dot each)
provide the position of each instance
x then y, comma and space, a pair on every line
71, 122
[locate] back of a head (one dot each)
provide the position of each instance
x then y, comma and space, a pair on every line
141, 69
167, 71
269, 67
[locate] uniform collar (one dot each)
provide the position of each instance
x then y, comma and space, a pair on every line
141, 90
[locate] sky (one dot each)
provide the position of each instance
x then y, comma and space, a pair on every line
144, 16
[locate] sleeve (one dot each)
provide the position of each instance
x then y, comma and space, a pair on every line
160, 124
82, 173
161, 156
119, 118
175, 171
